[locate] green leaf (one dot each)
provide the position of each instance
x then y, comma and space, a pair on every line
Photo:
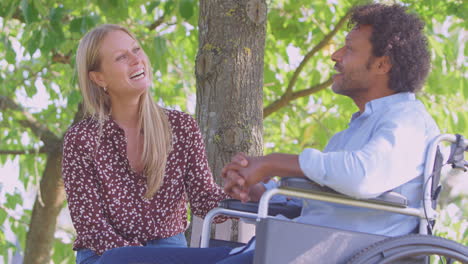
83, 24
13, 200
56, 15
160, 52
29, 11
3, 216
62, 252
151, 6
186, 9
462, 121
41, 8
34, 42
10, 55
8, 10
31, 90
464, 86
49, 39
169, 7
74, 98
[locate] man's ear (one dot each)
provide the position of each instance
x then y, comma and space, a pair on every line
383, 65
97, 78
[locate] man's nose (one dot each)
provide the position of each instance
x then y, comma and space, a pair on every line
336, 56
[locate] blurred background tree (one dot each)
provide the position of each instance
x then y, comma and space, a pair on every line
39, 98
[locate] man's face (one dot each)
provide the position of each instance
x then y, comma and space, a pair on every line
353, 63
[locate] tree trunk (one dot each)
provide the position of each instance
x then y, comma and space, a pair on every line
40, 237
229, 74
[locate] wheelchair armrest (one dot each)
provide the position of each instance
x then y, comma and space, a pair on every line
289, 211
305, 185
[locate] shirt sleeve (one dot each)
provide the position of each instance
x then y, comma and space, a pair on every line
84, 200
203, 193
393, 155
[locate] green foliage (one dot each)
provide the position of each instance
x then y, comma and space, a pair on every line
5, 245
311, 121
62, 253
38, 41
452, 221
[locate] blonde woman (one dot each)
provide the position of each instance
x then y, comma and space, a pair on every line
130, 167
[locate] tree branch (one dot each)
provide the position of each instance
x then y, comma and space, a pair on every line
51, 141
286, 98
13, 215
61, 58
156, 23
22, 152
66, 58
314, 50
79, 114
289, 95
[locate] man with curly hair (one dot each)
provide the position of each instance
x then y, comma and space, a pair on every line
384, 61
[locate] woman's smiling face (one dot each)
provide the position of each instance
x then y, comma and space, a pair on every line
124, 67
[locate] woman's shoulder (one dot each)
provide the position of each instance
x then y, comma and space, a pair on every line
179, 118
83, 130
175, 115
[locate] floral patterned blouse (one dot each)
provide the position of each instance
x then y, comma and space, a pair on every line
105, 195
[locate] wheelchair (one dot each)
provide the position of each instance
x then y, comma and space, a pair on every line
283, 241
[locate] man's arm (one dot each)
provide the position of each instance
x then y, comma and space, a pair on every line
244, 174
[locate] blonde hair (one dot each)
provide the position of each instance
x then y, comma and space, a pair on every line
152, 118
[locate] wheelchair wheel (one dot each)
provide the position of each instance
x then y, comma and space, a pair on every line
399, 249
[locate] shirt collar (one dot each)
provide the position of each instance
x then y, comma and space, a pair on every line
110, 127
383, 103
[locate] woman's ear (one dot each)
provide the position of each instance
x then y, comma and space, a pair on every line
97, 78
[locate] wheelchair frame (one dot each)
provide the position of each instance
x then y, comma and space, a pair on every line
426, 212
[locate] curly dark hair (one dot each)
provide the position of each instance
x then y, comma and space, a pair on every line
398, 35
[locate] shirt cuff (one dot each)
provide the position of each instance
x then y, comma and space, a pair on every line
311, 162
271, 184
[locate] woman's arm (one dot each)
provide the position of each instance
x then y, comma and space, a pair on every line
84, 200
204, 194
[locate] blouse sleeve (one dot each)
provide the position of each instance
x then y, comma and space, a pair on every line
84, 201
204, 194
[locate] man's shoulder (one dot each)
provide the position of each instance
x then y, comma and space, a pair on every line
409, 114
406, 110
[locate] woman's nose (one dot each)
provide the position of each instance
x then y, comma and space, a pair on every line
134, 58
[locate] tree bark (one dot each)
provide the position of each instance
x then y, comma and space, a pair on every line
48, 204
40, 237
229, 74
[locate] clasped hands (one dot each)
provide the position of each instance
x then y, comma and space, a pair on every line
242, 176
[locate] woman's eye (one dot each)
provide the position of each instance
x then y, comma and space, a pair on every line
136, 50
121, 57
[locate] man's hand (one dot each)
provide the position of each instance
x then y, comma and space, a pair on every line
242, 176
234, 183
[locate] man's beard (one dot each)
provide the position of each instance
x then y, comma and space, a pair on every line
349, 86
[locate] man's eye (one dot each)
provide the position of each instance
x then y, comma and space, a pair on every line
136, 50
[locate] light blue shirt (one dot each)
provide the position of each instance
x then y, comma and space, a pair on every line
383, 149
